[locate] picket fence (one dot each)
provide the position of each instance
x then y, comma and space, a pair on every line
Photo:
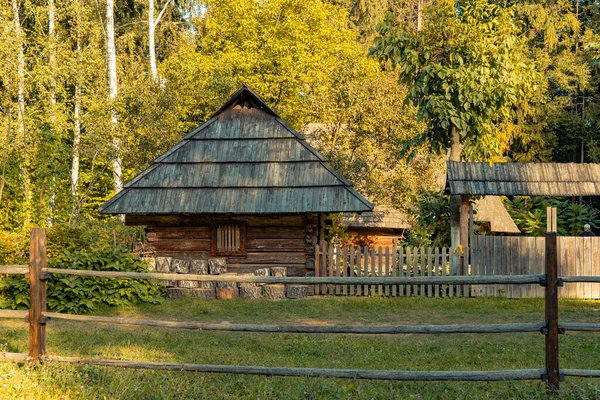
347, 261
488, 255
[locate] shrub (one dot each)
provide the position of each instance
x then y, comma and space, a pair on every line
79, 294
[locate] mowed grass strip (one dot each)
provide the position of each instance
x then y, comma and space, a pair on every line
400, 352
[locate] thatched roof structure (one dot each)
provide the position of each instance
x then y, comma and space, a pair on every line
491, 209
381, 217
244, 160
523, 179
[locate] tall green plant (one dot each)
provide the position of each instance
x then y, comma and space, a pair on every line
78, 294
530, 215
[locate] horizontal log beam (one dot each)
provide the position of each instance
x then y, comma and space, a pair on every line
586, 373
20, 314
13, 357
373, 330
578, 326
14, 269
526, 374
397, 280
588, 279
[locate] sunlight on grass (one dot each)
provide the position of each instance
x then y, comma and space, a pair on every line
401, 352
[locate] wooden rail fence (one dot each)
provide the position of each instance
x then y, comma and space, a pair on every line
38, 317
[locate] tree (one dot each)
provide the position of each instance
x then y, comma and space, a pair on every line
463, 79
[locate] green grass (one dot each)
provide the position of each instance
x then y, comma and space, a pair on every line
402, 352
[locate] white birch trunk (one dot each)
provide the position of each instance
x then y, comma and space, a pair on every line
52, 64
21, 111
151, 44
112, 94
76, 143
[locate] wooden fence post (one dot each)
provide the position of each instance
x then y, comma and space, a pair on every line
37, 294
552, 370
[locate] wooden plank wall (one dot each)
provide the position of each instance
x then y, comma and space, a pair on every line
285, 242
502, 255
336, 260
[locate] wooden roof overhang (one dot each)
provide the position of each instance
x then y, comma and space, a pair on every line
244, 160
523, 179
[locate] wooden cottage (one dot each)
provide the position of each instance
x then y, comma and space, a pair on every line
244, 187
383, 226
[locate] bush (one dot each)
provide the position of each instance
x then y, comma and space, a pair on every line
79, 294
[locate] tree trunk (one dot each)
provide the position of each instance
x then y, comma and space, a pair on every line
7, 111
112, 96
76, 143
51, 63
419, 15
21, 112
151, 45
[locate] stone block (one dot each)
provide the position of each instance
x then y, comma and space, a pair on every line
207, 285
180, 266
204, 294
274, 291
225, 283
187, 284
163, 264
297, 291
279, 271
227, 293
199, 267
251, 292
217, 266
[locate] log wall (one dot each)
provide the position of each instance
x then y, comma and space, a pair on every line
271, 241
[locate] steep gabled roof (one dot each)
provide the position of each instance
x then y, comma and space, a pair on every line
491, 209
243, 160
523, 179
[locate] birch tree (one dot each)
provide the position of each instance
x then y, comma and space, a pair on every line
20, 39
152, 23
111, 55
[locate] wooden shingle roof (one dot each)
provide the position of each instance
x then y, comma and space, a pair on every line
381, 217
491, 209
244, 160
523, 179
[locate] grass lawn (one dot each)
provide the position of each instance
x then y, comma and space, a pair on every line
401, 352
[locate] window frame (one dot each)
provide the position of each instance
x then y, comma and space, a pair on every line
214, 230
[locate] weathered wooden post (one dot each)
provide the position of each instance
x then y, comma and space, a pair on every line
552, 369
37, 294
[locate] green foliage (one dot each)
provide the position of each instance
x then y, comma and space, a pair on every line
79, 294
431, 226
530, 215
468, 74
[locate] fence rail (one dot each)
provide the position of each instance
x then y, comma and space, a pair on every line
419, 279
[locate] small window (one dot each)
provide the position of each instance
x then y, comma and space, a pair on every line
228, 239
